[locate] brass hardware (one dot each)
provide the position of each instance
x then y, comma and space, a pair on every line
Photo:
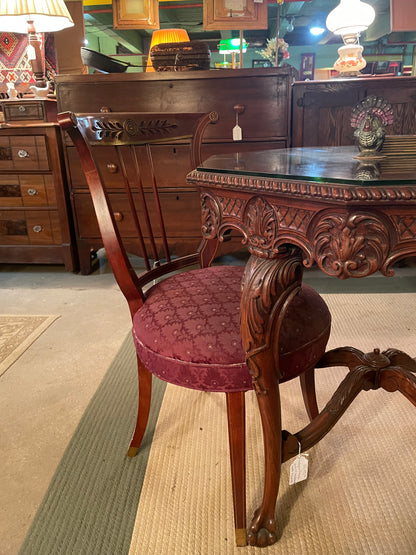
32, 192
118, 216
22, 108
37, 228
22, 153
105, 109
112, 168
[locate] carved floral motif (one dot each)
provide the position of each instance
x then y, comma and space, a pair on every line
350, 245
262, 225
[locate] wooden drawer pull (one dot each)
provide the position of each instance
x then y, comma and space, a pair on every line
22, 153
118, 216
112, 168
32, 192
37, 228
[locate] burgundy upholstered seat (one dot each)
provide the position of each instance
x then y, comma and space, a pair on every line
194, 340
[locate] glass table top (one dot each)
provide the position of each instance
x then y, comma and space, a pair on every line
317, 164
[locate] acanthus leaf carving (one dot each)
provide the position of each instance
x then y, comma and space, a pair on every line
210, 214
350, 245
262, 226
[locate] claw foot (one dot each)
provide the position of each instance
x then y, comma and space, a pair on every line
262, 532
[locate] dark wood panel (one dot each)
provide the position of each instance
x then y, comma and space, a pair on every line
265, 93
322, 109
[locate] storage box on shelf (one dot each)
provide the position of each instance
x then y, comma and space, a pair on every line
34, 208
263, 100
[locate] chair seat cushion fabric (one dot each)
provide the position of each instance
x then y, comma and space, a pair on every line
188, 331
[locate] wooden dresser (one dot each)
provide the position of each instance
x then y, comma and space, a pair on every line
262, 97
34, 209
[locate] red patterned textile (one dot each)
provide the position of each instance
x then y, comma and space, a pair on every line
194, 340
15, 66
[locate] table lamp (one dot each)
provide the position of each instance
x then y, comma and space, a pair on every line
32, 17
349, 19
164, 36
233, 47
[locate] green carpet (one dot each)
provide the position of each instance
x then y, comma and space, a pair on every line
90, 506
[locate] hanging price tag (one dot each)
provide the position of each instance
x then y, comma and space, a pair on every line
237, 133
299, 468
30, 51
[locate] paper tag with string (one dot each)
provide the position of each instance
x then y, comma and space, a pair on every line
237, 131
299, 468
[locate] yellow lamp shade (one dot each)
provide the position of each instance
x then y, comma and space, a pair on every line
163, 36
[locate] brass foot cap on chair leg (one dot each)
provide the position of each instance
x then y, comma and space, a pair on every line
132, 452
240, 537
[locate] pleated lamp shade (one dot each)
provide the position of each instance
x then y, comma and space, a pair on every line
162, 36
48, 15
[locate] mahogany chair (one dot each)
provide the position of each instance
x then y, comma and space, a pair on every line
186, 326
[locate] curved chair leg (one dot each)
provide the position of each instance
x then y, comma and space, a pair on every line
237, 439
307, 384
145, 395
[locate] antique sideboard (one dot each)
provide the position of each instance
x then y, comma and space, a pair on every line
322, 109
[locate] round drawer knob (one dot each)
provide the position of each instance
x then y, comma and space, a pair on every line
105, 109
118, 216
112, 168
22, 108
37, 228
32, 192
22, 153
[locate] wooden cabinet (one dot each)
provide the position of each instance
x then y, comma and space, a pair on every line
322, 109
263, 95
34, 220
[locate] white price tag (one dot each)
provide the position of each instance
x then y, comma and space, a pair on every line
30, 51
298, 470
237, 133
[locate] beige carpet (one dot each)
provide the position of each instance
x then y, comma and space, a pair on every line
360, 496
17, 333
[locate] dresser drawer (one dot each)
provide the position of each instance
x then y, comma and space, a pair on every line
171, 163
27, 190
23, 111
21, 227
182, 215
23, 153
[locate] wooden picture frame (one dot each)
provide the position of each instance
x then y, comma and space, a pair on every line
249, 14
136, 14
307, 67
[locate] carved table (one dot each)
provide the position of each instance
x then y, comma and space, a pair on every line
295, 207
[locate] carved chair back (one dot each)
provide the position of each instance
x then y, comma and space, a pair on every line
118, 147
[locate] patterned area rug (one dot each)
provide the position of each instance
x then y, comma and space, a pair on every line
174, 497
17, 333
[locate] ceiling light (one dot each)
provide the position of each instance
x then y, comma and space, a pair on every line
316, 31
351, 16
